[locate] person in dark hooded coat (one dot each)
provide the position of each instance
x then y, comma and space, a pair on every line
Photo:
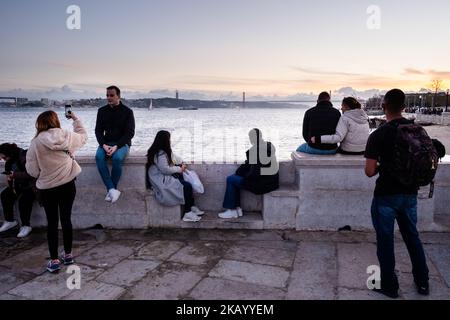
259, 175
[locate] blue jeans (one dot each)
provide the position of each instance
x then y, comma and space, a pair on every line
305, 148
111, 181
232, 198
403, 208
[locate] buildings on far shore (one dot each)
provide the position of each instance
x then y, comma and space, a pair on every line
415, 100
427, 99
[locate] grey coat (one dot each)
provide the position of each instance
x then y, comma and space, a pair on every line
168, 189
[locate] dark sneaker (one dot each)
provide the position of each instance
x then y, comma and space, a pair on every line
67, 259
53, 266
387, 293
423, 290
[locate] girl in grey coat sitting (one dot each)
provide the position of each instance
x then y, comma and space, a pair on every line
165, 176
352, 130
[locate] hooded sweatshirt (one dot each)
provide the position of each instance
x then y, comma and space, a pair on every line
50, 156
352, 131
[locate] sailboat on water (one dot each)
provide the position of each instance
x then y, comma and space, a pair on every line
150, 107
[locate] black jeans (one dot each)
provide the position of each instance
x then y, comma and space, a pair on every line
58, 204
403, 208
24, 197
188, 194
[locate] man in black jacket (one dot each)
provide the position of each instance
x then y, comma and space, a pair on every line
114, 130
259, 175
318, 121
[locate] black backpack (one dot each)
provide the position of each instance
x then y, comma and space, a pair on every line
415, 160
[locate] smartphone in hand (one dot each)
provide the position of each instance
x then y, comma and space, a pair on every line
68, 111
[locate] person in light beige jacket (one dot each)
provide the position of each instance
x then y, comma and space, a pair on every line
50, 160
352, 131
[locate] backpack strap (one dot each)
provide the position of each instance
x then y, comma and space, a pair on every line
430, 196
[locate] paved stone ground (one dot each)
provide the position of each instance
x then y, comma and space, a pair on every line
214, 264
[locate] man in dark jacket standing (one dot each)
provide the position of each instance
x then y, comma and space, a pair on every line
320, 120
114, 130
393, 199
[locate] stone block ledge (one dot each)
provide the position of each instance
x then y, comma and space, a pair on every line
316, 193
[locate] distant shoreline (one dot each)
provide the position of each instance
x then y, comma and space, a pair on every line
171, 103
3, 107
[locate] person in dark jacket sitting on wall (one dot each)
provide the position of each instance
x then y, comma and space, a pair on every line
21, 188
321, 120
259, 175
114, 130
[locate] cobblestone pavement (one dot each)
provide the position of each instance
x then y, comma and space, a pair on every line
214, 264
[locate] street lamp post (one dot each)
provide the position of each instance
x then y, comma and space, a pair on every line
446, 105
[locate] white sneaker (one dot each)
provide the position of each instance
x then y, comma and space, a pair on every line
239, 211
229, 214
191, 217
197, 211
24, 232
114, 194
8, 225
108, 197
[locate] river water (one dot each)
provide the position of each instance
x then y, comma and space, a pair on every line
210, 135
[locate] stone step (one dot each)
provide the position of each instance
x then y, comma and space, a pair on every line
250, 220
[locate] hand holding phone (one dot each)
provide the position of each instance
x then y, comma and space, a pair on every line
68, 111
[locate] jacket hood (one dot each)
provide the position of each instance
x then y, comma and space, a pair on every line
357, 115
55, 139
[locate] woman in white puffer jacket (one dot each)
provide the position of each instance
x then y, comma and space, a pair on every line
352, 130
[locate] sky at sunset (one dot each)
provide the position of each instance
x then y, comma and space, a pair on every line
217, 49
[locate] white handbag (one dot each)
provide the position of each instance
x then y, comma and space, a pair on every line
194, 180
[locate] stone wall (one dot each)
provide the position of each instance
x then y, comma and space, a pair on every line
443, 119
316, 193
334, 191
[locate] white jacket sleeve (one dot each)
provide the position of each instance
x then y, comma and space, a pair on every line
77, 138
163, 165
339, 136
32, 165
